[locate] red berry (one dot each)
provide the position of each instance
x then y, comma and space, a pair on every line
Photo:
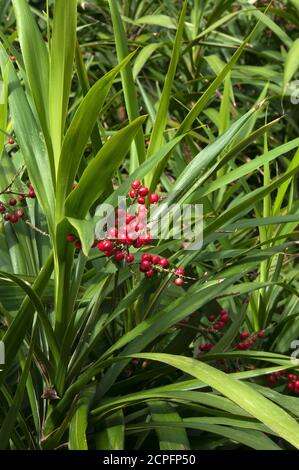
129, 258
211, 318
10, 141
223, 311
180, 271
272, 378
133, 193
150, 273
153, 198
21, 198
7, 217
120, 213
31, 194
135, 184
179, 281
122, 237
297, 383
244, 334
12, 202
224, 317
2, 209
143, 191
112, 232
221, 324
292, 377
141, 200
296, 390
146, 257
13, 218
118, 256
129, 218
70, 238
78, 245
107, 253
260, 334
19, 213
144, 266
164, 262
155, 259
290, 385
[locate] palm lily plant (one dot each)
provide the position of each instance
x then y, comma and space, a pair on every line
133, 343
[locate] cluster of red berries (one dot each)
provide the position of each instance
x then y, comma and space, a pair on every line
219, 322
251, 339
280, 376
131, 230
14, 216
139, 193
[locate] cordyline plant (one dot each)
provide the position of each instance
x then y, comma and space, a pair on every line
126, 342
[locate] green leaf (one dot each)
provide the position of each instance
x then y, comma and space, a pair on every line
80, 129
61, 69
240, 393
102, 166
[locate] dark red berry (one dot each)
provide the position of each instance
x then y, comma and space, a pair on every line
13, 218
143, 191
180, 271
150, 273
19, 213
70, 238
211, 318
260, 334
164, 262
244, 334
135, 184
32, 194
7, 217
144, 266
112, 232
118, 256
129, 258
2, 209
12, 202
78, 245
153, 198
